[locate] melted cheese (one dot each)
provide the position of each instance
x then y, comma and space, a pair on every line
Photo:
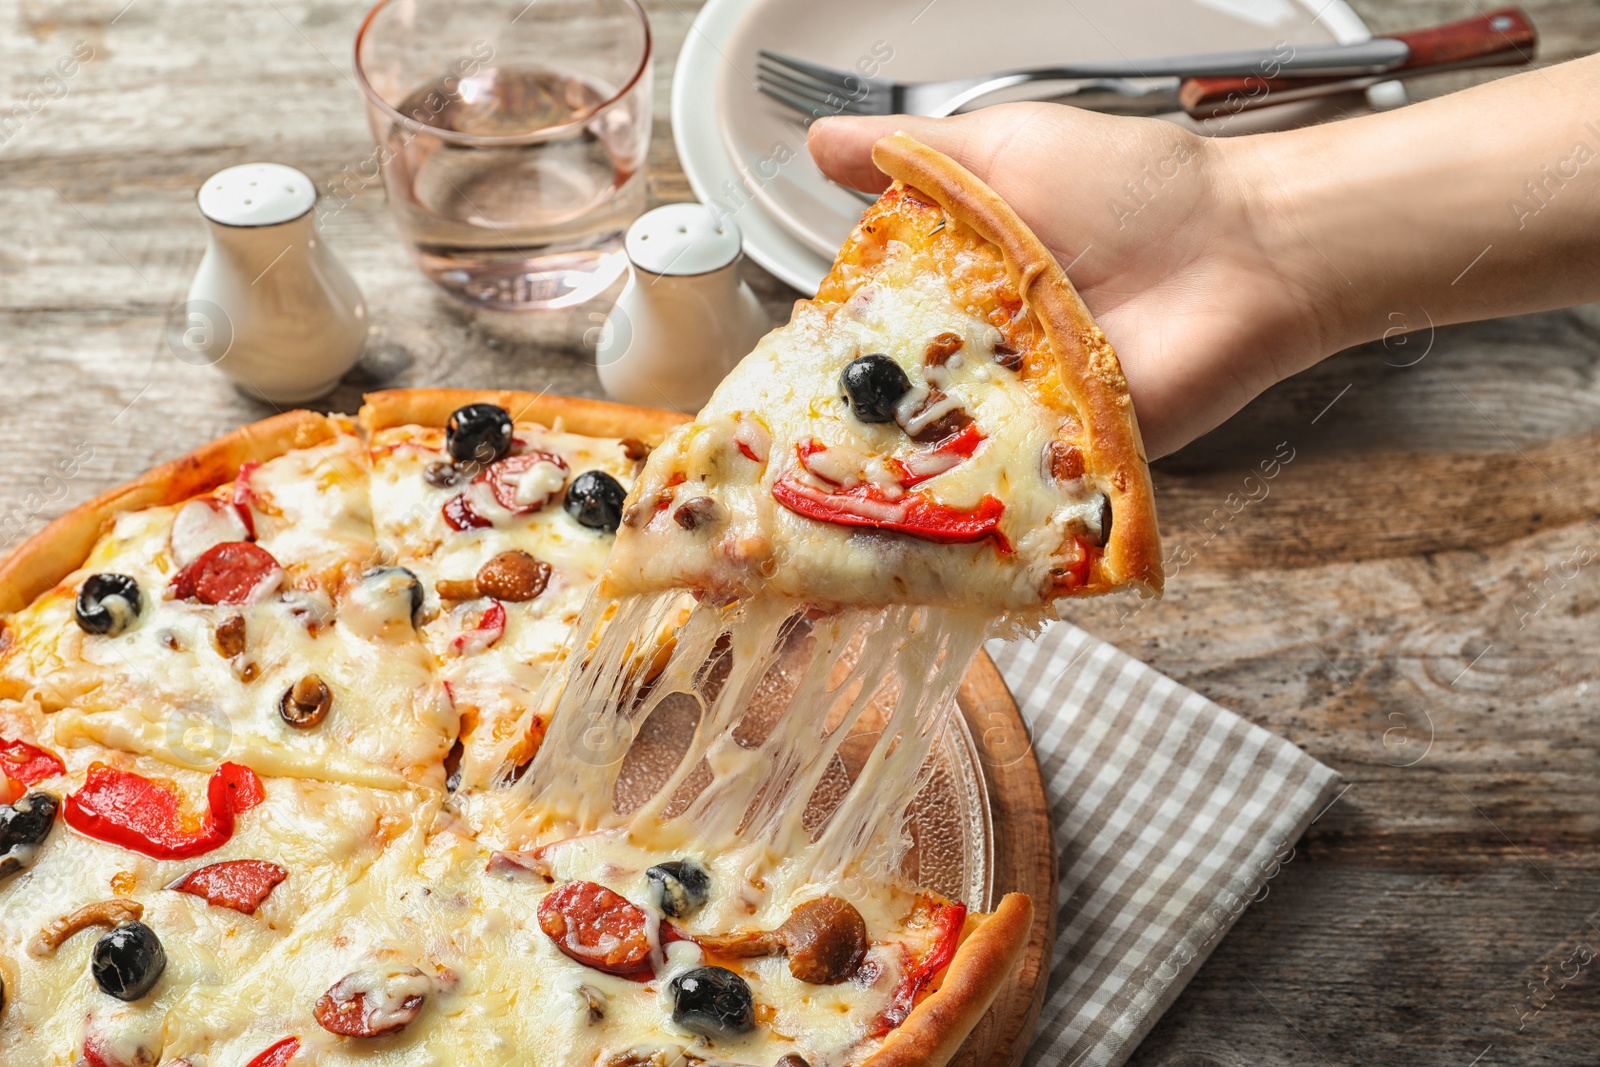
389, 895
325, 836
746, 796
499, 992
492, 684
166, 688
790, 382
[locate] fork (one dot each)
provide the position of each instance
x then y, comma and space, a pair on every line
1497, 37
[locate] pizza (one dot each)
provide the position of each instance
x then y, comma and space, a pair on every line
588, 951
234, 623
256, 708
223, 864
471, 510
944, 424
268, 713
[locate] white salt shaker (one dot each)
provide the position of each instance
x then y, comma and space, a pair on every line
270, 305
684, 318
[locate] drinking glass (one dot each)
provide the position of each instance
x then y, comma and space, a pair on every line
512, 138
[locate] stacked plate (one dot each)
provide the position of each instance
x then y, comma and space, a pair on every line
745, 153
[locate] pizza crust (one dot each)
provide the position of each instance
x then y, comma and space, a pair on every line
43, 560
594, 418
938, 1027
1088, 365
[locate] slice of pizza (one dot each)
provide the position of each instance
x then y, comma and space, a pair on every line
125, 883
608, 951
944, 424
504, 507
248, 621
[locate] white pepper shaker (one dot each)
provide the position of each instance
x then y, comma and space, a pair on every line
270, 305
684, 318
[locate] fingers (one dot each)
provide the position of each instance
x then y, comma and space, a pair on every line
842, 146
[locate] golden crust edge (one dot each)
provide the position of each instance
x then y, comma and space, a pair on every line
41, 562
1085, 358
594, 418
936, 1028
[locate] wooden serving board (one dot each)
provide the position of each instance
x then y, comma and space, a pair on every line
1024, 860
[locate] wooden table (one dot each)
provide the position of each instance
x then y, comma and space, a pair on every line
1416, 599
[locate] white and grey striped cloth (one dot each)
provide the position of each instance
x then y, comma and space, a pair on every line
1171, 813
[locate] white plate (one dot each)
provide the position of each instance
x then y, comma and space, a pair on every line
744, 153
712, 175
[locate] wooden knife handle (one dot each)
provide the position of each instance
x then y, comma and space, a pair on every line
1503, 37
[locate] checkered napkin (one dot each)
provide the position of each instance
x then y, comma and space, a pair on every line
1170, 814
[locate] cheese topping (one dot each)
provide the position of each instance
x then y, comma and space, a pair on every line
196, 683
539, 483
791, 380
492, 673
388, 904
499, 990
324, 835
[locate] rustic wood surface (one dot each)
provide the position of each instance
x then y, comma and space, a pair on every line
1413, 599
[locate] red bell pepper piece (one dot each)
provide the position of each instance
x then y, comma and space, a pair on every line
96, 1054
914, 514
277, 1054
1075, 574
948, 920
145, 815
491, 624
951, 451
28, 764
244, 496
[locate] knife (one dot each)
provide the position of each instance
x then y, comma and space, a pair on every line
1503, 37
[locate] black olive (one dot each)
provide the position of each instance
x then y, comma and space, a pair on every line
712, 1002
480, 432
872, 384
1105, 522
23, 827
595, 499
108, 604
408, 580
680, 886
128, 960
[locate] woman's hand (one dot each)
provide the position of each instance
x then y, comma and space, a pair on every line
1163, 243
1218, 267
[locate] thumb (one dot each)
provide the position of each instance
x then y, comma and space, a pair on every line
842, 145
842, 148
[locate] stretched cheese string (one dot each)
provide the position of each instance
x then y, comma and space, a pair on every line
778, 693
